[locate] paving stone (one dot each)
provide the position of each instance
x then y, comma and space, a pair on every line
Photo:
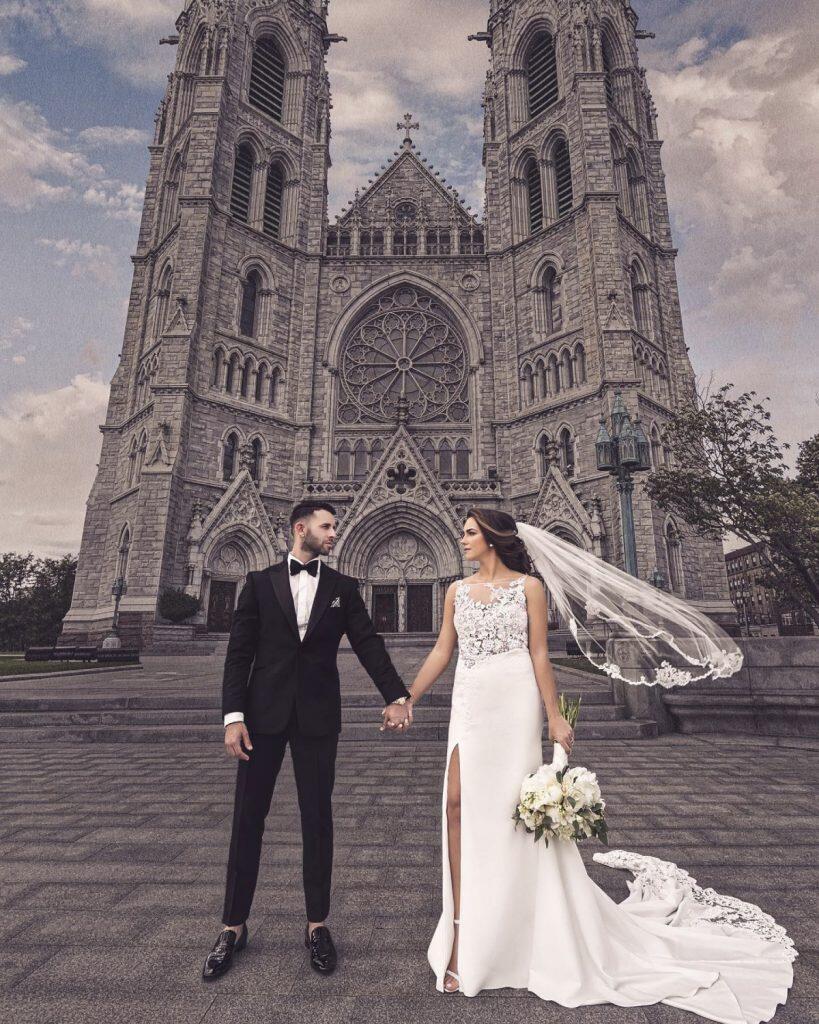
150, 869
66, 1010
68, 896
290, 1010
433, 1006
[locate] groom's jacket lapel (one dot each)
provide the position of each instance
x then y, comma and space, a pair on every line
328, 579
279, 576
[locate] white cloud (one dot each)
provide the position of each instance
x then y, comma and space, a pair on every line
9, 64
120, 201
741, 128
39, 164
50, 439
85, 259
126, 32
14, 331
107, 136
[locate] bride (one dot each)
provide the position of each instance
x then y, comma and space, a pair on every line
524, 915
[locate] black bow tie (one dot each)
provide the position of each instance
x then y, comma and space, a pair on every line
296, 567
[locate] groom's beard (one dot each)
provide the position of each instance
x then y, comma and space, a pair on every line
313, 546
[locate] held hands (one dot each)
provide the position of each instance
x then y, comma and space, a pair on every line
561, 732
237, 741
396, 717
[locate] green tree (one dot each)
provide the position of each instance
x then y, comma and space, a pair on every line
16, 575
50, 597
728, 474
35, 594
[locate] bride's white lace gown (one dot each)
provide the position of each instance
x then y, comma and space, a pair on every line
531, 917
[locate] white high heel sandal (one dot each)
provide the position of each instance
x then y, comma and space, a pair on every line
452, 974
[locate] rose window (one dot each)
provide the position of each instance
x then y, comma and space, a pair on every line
404, 354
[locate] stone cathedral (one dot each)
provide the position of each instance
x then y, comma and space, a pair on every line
406, 361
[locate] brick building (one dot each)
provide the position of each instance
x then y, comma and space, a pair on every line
408, 360
759, 610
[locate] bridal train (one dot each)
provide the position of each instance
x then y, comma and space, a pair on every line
530, 915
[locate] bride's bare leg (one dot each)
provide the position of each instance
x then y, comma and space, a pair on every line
453, 818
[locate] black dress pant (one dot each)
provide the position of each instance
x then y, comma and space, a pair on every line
314, 762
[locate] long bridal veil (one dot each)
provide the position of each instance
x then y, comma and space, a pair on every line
655, 638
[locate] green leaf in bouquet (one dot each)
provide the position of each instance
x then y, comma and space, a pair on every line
569, 709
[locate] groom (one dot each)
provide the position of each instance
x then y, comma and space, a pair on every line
288, 625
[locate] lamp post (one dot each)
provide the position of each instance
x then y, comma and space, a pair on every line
119, 588
622, 452
656, 579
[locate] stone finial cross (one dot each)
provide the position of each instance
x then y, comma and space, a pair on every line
406, 126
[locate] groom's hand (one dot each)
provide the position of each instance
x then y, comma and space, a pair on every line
397, 717
237, 740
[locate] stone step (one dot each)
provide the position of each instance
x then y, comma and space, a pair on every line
139, 718
600, 697
354, 732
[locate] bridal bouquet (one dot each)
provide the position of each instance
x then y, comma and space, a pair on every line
558, 802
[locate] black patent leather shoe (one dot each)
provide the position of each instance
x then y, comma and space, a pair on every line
323, 956
220, 958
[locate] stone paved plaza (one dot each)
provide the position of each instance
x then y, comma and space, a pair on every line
113, 855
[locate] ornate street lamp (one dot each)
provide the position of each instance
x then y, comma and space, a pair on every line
622, 452
656, 579
120, 587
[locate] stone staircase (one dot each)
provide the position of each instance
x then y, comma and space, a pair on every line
195, 718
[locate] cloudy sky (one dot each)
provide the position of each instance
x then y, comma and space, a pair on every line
737, 88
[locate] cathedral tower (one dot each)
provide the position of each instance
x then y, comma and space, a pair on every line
406, 362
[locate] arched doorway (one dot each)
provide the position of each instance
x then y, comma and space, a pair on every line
405, 559
402, 574
225, 570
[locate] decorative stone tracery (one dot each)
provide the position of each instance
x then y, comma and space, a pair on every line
405, 351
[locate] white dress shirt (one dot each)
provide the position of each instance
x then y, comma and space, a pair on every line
303, 587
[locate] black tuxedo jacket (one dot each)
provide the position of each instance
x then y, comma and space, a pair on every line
287, 670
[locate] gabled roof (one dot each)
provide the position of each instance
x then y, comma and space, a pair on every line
415, 484
428, 176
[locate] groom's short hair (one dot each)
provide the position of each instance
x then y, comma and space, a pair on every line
305, 509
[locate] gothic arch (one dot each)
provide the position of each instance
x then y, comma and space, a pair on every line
194, 50
548, 259
558, 177
526, 32
262, 23
612, 42
459, 313
256, 262
172, 189
257, 439
263, 300
255, 552
161, 300
542, 451
528, 198
567, 449
248, 137
360, 542
672, 542
278, 155
568, 533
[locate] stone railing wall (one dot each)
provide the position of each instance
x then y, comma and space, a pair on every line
776, 693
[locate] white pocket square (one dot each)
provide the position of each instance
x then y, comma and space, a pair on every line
336, 603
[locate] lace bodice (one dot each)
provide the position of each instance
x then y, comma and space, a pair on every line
490, 618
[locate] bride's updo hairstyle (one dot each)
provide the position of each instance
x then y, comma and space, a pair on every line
500, 531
